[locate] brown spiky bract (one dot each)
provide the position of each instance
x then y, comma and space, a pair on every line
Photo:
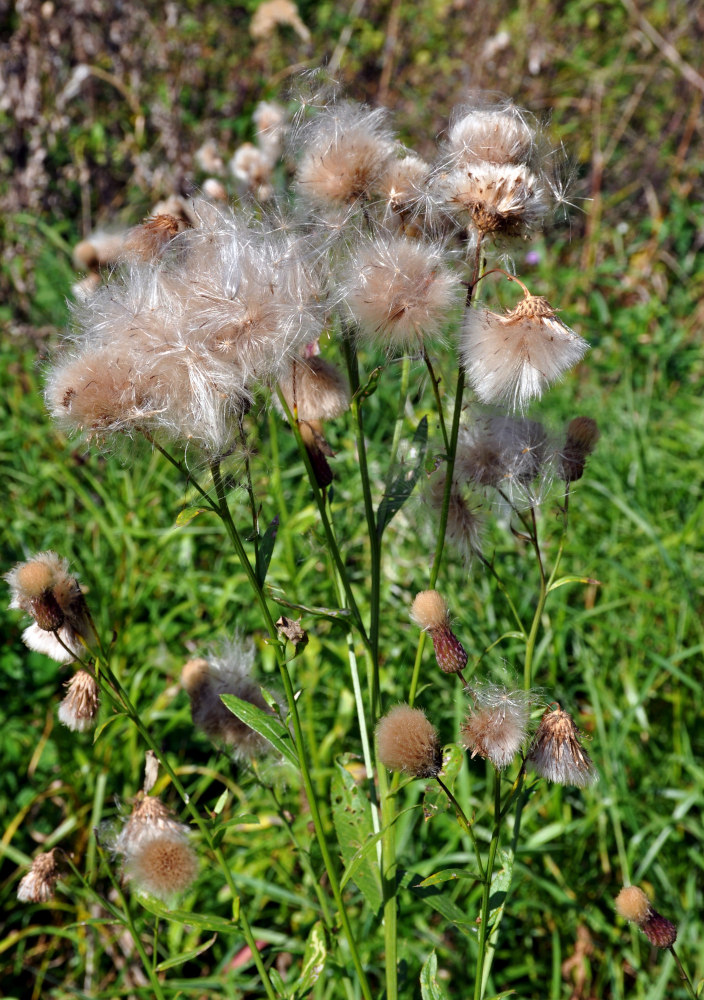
37, 886
430, 612
408, 742
557, 753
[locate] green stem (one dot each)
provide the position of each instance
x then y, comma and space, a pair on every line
486, 890
438, 402
464, 823
298, 733
539, 608
685, 978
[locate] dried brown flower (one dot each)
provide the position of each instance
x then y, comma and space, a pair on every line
37, 886
557, 753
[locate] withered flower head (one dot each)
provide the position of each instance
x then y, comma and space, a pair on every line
206, 679
408, 742
44, 588
316, 388
557, 753
513, 358
497, 724
37, 886
79, 709
582, 438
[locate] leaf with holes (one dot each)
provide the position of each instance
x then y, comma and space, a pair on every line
351, 813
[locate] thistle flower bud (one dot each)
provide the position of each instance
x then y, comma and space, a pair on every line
37, 886
557, 753
408, 742
514, 357
79, 709
582, 437
496, 726
430, 612
632, 904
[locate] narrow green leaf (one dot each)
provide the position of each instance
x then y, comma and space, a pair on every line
314, 958
351, 813
334, 614
430, 988
438, 900
186, 515
186, 956
202, 920
266, 549
221, 802
573, 579
398, 491
435, 800
365, 850
268, 726
448, 875
99, 730
370, 386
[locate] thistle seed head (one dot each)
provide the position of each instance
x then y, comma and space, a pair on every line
557, 753
407, 742
37, 886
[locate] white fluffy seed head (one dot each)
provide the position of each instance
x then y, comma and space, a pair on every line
514, 357
401, 292
500, 200
429, 610
499, 134
37, 886
465, 515
345, 151
163, 864
79, 709
497, 725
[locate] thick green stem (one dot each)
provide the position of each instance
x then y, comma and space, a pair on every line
486, 890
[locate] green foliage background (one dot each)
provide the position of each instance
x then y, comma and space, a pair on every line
626, 269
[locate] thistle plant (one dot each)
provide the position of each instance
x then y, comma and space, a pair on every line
374, 266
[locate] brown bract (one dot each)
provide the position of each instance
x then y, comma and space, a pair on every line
557, 753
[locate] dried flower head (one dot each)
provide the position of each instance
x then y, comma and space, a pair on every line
507, 453
632, 904
316, 389
253, 167
403, 183
465, 519
430, 612
408, 742
513, 358
79, 709
500, 134
150, 240
162, 865
400, 291
557, 753
37, 886
206, 679
499, 200
582, 438
346, 150
44, 588
149, 817
497, 724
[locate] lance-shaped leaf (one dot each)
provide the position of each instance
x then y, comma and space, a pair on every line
351, 815
266, 549
430, 988
400, 489
268, 726
313, 961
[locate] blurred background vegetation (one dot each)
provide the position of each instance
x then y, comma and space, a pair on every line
103, 107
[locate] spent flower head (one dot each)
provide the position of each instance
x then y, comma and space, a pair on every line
401, 291
79, 709
431, 613
408, 742
229, 671
37, 886
513, 357
496, 726
557, 754
581, 440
